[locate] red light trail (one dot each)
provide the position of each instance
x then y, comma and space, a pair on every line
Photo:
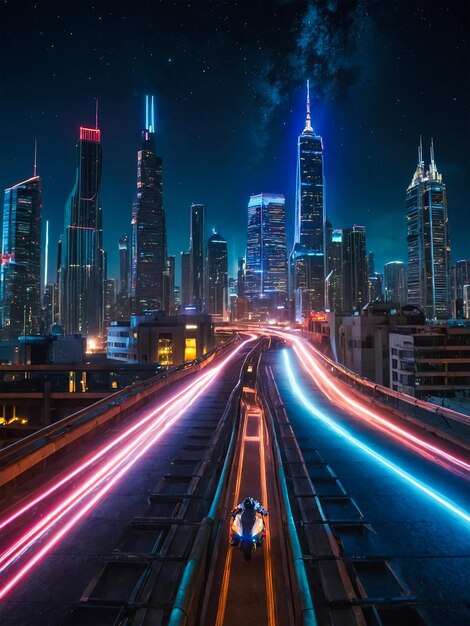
345, 399
123, 452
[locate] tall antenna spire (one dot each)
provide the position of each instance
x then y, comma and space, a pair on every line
420, 151
35, 158
308, 125
146, 112
96, 114
432, 151
153, 117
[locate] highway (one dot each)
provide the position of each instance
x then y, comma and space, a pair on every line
132, 525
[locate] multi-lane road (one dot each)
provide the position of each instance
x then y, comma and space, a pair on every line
105, 533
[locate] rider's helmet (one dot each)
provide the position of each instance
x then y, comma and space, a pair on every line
249, 503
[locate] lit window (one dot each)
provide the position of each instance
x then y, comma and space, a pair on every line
165, 350
190, 349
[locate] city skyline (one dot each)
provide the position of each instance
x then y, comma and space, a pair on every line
372, 179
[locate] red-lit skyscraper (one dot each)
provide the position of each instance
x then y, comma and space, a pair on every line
82, 263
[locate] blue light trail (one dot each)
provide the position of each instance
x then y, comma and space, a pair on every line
378, 457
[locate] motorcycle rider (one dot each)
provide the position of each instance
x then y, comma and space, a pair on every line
248, 503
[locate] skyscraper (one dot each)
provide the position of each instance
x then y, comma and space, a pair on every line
20, 280
461, 288
394, 282
217, 276
122, 298
169, 285
82, 271
185, 296
429, 268
334, 261
241, 278
148, 229
355, 270
266, 259
308, 255
197, 255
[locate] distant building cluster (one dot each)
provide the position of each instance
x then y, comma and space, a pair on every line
327, 269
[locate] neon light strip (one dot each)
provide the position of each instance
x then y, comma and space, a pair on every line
378, 457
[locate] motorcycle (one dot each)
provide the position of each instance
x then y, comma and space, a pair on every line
248, 529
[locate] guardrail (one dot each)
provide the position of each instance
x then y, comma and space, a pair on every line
440, 420
40, 446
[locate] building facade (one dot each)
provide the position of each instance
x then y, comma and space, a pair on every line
166, 340
217, 277
82, 259
20, 279
197, 254
334, 269
148, 227
429, 267
432, 361
122, 297
185, 297
265, 284
355, 269
307, 262
461, 289
394, 282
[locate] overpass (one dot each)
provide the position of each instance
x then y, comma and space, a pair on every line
119, 514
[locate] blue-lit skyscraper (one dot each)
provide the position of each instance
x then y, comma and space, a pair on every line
266, 258
148, 228
21, 253
308, 255
429, 267
82, 262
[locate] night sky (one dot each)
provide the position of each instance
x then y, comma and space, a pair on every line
229, 81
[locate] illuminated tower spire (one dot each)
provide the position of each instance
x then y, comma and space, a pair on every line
35, 158
308, 125
419, 172
149, 114
433, 173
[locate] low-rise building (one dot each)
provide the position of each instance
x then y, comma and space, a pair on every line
166, 340
431, 361
361, 342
